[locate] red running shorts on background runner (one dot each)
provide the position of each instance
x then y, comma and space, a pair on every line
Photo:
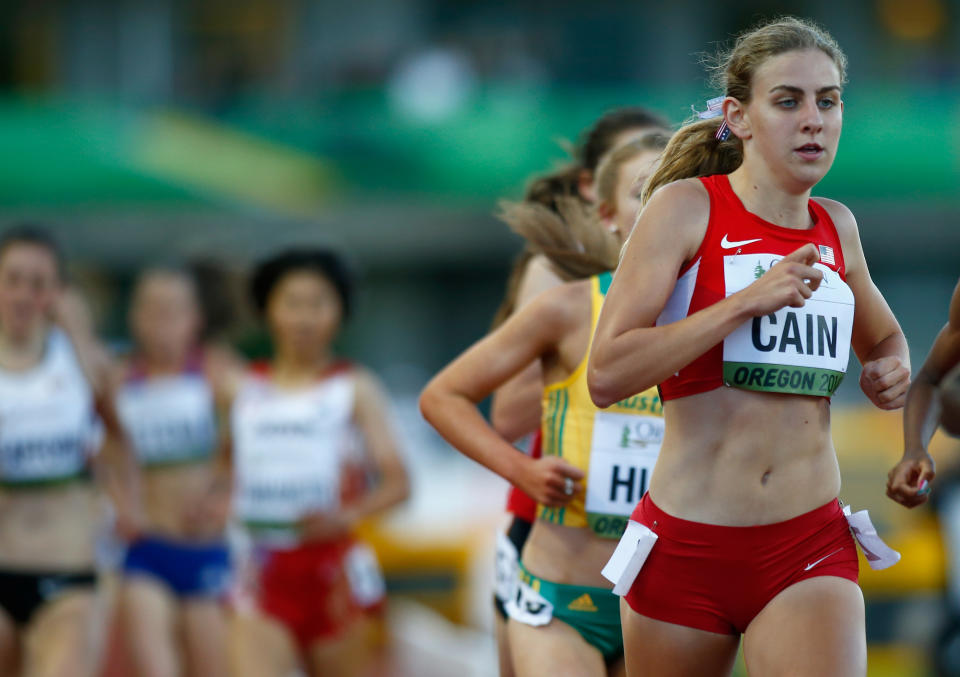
718, 578
306, 588
519, 503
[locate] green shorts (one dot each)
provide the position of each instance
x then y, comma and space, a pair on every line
593, 612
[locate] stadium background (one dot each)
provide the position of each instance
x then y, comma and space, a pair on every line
217, 131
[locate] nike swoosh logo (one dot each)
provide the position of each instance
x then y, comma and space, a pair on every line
810, 566
727, 244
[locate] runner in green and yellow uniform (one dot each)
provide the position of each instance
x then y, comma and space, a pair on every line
593, 471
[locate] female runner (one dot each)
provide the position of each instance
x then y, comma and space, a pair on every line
176, 574
559, 247
736, 294
308, 430
51, 392
564, 619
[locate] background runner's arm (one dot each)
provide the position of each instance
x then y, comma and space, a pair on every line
116, 464
449, 402
922, 409
372, 414
515, 409
630, 353
224, 370
921, 413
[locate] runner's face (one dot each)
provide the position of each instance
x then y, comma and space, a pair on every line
633, 175
304, 314
795, 115
29, 284
165, 318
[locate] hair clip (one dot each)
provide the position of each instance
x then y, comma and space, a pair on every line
715, 110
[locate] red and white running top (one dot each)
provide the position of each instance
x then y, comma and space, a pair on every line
794, 350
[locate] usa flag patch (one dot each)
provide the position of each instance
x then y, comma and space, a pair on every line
826, 255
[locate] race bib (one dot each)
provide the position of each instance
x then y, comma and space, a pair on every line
623, 453
275, 497
289, 460
47, 430
169, 420
528, 606
35, 460
505, 569
794, 350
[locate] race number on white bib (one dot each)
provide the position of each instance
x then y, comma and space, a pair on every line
289, 451
794, 350
505, 569
529, 607
622, 455
170, 420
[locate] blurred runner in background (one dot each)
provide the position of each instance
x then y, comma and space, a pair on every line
313, 455
177, 572
53, 390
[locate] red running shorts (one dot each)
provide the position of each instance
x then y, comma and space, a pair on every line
718, 578
307, 589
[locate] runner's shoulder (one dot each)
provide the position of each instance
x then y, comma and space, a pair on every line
676, 216
843, 219
563, 307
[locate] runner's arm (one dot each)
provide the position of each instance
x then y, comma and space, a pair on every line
515, 408
116, 464
449, 402
922, 413
373, 419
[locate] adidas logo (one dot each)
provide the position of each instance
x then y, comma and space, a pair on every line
582, 603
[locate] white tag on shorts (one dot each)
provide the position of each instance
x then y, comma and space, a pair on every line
528, 606
364, 575
506, 572
879, 555
628, 557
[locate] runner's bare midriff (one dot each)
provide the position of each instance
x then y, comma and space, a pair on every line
171, 495
568, 555
52, 528
737, 458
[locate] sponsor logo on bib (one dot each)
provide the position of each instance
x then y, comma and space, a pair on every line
623, 452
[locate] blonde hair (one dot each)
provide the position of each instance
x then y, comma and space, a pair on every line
608, 172
571, 237
694, 150
576, 254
